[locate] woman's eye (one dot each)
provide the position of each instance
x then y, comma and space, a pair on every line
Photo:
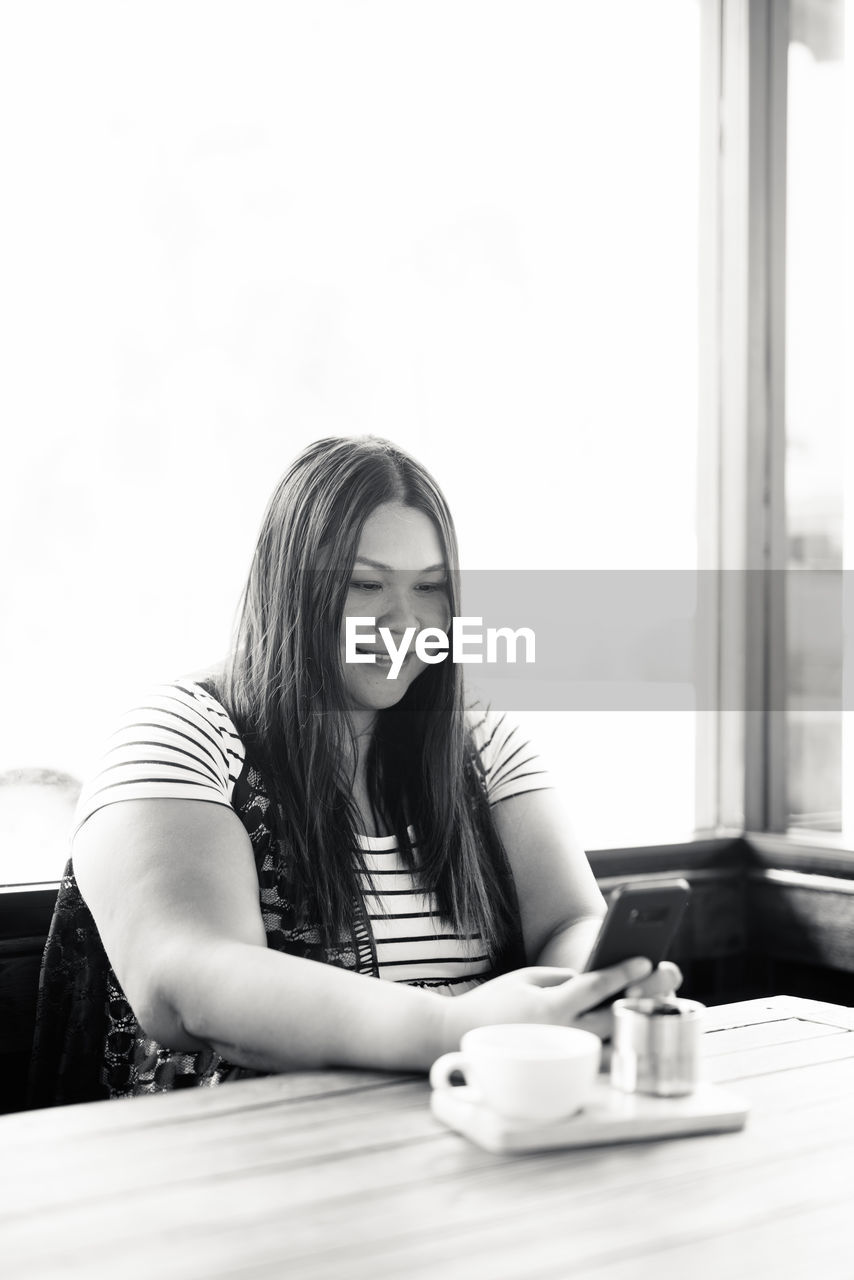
429, 588
365, 586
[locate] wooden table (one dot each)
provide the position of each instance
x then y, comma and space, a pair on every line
348, 1175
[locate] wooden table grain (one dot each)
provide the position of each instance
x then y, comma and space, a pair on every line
345, 1174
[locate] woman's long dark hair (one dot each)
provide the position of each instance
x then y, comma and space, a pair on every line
284, 688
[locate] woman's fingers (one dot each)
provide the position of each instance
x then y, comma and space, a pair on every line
587, 990
663, 981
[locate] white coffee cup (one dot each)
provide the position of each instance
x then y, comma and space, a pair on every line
524, 1071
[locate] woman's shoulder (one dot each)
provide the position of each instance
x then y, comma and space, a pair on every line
488, 728
198, 696
203, 691
175, 740
510, 762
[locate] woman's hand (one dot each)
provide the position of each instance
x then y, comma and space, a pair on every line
663, 981
553, 996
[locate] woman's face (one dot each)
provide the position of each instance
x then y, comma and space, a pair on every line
400, 580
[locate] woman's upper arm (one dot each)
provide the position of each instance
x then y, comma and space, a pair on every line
554, 882
159, 876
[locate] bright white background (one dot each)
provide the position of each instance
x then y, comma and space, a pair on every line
228, 229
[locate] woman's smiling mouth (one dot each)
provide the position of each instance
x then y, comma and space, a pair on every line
380, 656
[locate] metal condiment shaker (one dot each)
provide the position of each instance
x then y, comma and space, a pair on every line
657, 1046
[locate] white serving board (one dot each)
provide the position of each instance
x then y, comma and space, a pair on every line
610, 1116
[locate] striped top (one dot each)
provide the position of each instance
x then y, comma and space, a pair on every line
180, 743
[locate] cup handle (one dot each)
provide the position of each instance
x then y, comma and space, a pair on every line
444, 1067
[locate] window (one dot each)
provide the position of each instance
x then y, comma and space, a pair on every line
817, 227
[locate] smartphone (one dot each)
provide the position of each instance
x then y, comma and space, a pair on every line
642, 921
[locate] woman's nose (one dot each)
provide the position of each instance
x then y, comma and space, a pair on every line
399, 609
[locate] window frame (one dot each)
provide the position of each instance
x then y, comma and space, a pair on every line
741, 507
742, 754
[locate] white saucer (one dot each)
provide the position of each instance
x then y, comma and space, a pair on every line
610, 1116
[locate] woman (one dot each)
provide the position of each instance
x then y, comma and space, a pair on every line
261, 840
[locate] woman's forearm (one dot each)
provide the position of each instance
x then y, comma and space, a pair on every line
274, 1012
570, 947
